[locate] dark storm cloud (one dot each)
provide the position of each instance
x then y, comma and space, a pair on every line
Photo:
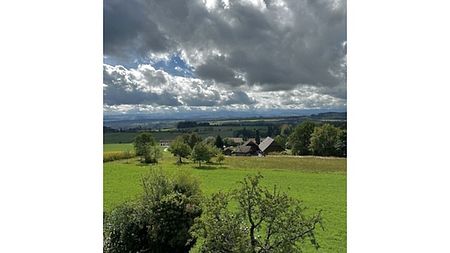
129, 30
266, 45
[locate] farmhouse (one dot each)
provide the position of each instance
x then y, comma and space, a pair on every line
248, 148
269, 145
164, 143
228, 151
237, 141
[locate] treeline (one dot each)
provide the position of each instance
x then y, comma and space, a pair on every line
191, 124
309, 138
187, 146
172, 215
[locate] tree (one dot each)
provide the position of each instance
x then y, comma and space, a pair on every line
220, 157
191, 139
201, 152
152, 154
299, 140
341, 145
280, 139
157, 222
265, 221
141, 143
146, 147
219, 142
180, 149
324, 140
257, 138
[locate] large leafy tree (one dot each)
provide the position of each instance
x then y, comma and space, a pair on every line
180, 149
147, 148
202, 152
265, 221
299, 140
325, 140
141, 143
191, 139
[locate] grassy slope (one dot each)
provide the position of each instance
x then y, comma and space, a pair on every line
320, 183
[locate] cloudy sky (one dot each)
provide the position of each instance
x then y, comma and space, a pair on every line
209, 55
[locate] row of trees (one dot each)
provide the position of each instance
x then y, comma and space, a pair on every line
308, 138
184, 146
172, 216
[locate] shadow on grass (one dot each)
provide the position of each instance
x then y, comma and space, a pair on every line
206, 167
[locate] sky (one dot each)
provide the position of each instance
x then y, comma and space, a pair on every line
166, 56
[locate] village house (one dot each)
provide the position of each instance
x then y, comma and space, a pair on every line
164, 143
269, 145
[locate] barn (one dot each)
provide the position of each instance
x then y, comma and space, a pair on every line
269, 145
246, 150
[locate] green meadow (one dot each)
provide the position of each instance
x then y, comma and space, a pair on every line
319, 182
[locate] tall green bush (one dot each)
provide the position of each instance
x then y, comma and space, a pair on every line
159, 221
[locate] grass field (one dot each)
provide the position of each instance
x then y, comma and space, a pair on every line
319, 182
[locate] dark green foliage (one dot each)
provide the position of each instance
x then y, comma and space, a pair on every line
186, 124
146, 147
219, 142
325, 140
266, 221
141, 142
191, 139
280, 139
125, 229
257, 137
180, 149
341, 145
160, 221
299, 140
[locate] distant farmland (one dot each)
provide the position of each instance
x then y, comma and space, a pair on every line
204, 131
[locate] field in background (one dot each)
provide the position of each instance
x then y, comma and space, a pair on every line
319, 182
204, 131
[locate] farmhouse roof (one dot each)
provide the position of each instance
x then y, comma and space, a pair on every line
250, 143
236, 139
243, 149
266, 143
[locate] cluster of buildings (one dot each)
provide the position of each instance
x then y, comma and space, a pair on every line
250, 147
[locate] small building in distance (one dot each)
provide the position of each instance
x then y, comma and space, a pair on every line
235, 140
246, 150
164, 143
228, 151
269, 145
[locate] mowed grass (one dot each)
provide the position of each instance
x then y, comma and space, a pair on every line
319, 182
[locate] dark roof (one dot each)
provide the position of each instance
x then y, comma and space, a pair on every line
243, 149
250, 143
266, 143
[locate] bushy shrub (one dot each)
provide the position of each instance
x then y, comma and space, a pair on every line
159, 221
152, 154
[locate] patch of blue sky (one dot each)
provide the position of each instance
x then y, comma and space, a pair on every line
175, 66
